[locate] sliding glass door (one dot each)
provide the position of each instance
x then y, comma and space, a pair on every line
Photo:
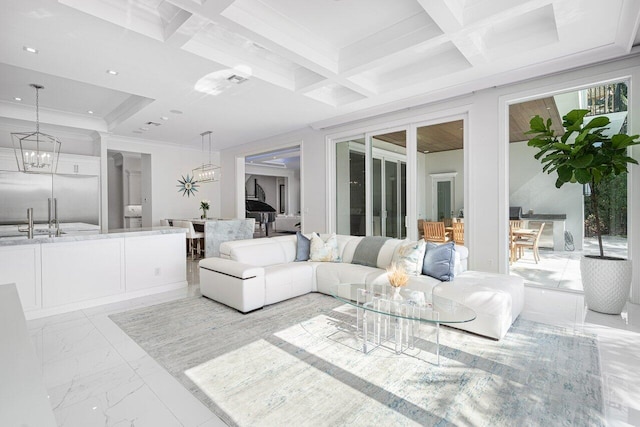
351, 187
375, 170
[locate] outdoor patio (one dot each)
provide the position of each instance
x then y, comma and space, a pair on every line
561, 269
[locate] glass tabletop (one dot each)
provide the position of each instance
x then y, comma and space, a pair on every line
405, 303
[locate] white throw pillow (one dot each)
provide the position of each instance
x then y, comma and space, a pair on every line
410, 256
324, 251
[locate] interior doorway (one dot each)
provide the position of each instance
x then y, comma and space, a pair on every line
129, 190
272, 191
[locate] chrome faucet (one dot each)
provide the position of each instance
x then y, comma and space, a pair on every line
30, 222
29, 229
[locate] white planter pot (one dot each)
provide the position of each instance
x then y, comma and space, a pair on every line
606, 283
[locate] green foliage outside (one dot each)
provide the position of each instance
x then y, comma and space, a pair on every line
612, 205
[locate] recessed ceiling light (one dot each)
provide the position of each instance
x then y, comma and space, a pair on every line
164, 118
112, 72
17, 98
90, 111
29, 49
175, 111
144, 128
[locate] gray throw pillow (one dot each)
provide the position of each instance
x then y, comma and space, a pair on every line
439, 261
303, 247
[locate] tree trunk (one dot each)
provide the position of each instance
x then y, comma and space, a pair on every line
594, 208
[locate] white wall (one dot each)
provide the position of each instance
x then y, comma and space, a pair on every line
535, 190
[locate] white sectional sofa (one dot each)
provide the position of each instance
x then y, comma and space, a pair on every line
250, 274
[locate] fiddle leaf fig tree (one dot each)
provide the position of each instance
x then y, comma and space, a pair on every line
584, 154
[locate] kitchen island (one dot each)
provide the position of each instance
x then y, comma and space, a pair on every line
74, 271
221, 230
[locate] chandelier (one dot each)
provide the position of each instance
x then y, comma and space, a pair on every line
36, 152
208, 171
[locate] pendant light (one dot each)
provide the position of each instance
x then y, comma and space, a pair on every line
208, 172
36, 152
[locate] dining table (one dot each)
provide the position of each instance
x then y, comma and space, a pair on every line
522, 234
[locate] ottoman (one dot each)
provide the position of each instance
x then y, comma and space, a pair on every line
496, 298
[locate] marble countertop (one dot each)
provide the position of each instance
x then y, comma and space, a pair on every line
11, 239
547, 217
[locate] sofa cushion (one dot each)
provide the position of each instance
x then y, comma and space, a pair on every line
303, 247
410, 256
348, 247
439, 261
386, 253
324, 250
367, 251
496, 298
328, 274
284, 281
262, 254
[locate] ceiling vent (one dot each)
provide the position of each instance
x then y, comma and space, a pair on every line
234, 78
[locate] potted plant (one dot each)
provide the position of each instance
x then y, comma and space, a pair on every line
204, 205
588, 158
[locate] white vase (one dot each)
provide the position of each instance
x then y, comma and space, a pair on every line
606, 283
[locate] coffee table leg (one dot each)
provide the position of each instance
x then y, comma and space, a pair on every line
438, 342
364, 331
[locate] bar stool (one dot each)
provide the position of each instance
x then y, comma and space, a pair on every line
192, 235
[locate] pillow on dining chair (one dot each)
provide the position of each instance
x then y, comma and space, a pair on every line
439, 261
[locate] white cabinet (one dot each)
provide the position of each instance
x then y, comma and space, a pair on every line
73, 164
68, 274
81, 270
21, 265
154, 261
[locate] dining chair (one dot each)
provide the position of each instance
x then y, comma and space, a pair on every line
516, 224
458, 233
530, 243
192, 235
447, 221
421, 228
434, 232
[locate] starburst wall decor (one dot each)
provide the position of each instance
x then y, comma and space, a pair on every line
187, 185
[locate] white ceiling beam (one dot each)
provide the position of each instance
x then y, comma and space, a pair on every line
180, 34
403, 35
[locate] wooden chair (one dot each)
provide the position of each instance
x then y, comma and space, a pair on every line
434, 232
516, 224
447, 222
522, 244
420, 228
458, 233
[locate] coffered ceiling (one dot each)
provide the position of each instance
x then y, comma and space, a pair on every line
250, 69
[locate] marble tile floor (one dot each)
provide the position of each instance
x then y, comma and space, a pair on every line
561, 269
97, 376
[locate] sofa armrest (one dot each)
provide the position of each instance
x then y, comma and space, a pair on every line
232, 268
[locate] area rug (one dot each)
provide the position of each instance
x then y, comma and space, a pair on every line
299, 363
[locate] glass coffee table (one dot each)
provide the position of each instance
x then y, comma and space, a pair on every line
387, 314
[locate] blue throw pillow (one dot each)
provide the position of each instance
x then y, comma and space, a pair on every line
439, 261
303, 247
